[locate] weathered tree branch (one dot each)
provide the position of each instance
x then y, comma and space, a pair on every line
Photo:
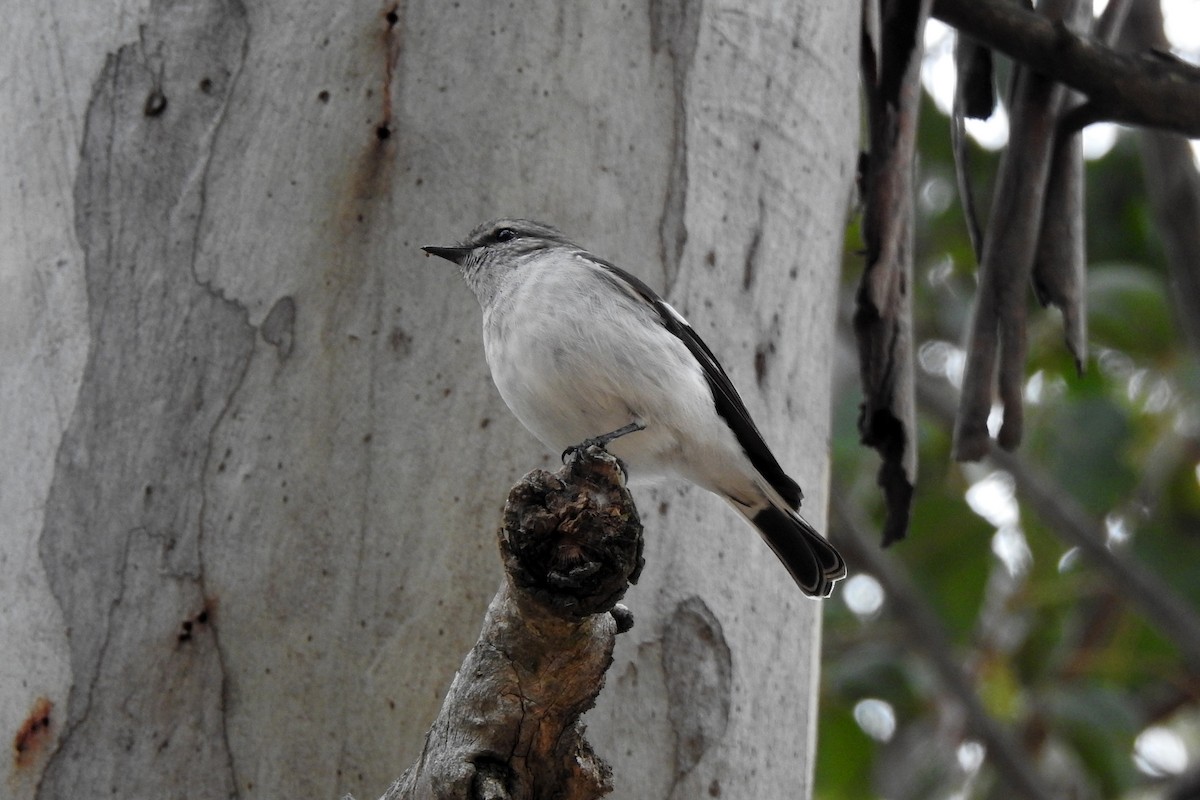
509, 727
1147, 89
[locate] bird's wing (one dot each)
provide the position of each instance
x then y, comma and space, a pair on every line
729, 402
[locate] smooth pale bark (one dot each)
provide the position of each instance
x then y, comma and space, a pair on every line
253, 457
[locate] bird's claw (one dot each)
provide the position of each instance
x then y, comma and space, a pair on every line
602, 441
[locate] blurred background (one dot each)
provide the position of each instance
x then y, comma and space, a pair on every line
1091, 686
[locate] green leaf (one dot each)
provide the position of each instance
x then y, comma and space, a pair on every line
1129, 311
1084, 445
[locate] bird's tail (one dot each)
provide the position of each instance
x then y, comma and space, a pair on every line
814, 563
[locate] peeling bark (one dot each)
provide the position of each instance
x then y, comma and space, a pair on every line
997, 345
121, 542
883, 318
1060, 261
975, 98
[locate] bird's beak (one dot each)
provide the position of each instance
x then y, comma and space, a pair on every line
455, 254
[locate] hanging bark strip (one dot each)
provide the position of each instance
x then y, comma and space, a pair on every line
510, 727
997, 344
1059, 267
883, 318
974, 98
1060, 264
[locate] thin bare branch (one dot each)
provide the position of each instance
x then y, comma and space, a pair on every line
1137, 89
1162, 608
927, 633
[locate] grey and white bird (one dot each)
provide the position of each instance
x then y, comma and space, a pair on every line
582, 350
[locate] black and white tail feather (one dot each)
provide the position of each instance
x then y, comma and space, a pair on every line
812, 561
500, 259
814, 564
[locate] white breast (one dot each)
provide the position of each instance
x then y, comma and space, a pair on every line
574, 357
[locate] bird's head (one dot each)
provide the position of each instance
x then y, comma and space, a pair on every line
497, 249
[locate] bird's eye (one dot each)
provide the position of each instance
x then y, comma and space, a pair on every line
505, 234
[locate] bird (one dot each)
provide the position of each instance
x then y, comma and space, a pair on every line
583, 351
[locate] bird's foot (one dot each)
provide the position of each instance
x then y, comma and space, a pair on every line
602, 441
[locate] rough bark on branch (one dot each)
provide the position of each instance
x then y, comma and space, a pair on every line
1144, 89
509, 726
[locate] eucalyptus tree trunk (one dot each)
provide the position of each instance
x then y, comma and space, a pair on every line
253, 460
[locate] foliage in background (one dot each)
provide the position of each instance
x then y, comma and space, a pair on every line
1056, 652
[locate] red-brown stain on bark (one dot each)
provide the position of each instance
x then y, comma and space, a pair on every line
362, 199
393, 42
33, 733
369, 178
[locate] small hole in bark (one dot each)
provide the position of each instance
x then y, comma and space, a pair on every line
156, 103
